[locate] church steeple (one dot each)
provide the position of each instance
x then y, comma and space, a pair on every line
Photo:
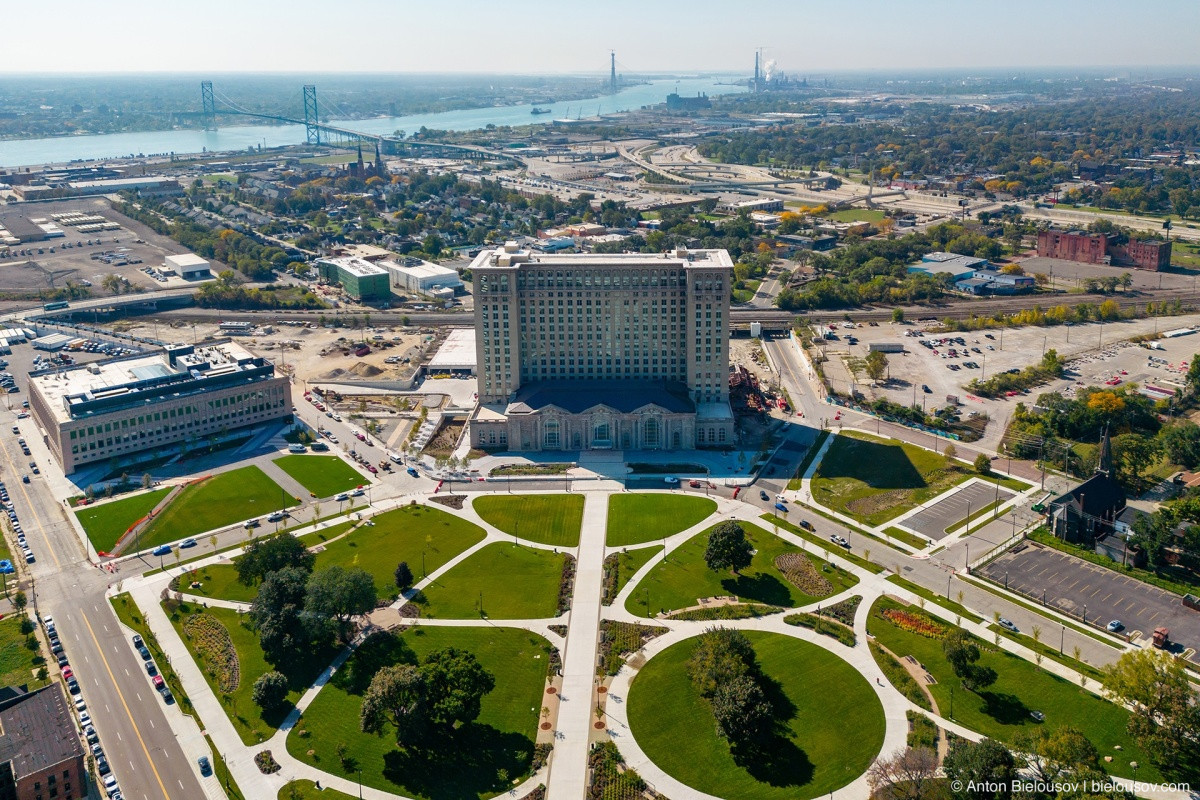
1105, 464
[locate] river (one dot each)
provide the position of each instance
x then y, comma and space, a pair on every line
61, 149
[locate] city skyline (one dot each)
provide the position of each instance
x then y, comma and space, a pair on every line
535, 37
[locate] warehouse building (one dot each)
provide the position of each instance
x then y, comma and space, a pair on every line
40, 752
116, 409
415, 276
359, 278
188, 266
591, 352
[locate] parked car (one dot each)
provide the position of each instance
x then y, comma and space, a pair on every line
187, 543
1115, 625
840, 541
205, 767
1007, 624
762, 495
161, 550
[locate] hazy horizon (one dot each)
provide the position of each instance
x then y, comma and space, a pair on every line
535, 37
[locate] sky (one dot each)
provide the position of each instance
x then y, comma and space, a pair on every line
570, 36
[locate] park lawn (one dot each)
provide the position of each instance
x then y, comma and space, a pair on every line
874, 480
635, 518
469, 762
307, 790
832, 728
680, 579
873, 216
628, 563
324, 476
553, 519
105, 523
423, 536
214, 503
16, 660
1002, 711
514, 582
252, 724
220, 580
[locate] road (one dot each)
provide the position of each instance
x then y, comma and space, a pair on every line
148, 761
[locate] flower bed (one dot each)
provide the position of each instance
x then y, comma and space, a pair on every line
266, 762
566, 585
215, 649
914, 623
619, 639
801, 573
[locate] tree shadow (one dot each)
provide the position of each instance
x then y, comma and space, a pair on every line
880, 466
760, 586
461, 764
378, 651
773, 758
1007, 709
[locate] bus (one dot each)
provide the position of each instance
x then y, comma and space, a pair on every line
55, 306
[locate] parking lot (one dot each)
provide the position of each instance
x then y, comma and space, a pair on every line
1080, 588
952, 509
51, 263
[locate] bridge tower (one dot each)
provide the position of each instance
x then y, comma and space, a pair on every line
311, 128
612, 71
755, 87
209, 106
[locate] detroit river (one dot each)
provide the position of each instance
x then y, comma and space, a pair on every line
61, 149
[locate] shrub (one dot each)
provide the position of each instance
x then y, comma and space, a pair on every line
270, 690
215, 649
914, 623
801, 573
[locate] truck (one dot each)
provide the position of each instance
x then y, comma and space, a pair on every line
1162, 638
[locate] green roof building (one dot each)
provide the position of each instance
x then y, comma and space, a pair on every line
360, 279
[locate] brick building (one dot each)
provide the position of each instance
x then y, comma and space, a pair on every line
1104, 248
40, 753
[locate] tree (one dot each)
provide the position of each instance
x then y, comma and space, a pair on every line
897, 315
340, 594
277, 615
270, 690
147, 481
397, 694
971, 766
1181, 443
271, 554
455, 684
963, 656
1056, 755
876, 365
20, 601
983, 464
1134, 453
951, 452
728, 548
907, 775
743, 713
403, 576
1193, 374
1165, 719
720, 655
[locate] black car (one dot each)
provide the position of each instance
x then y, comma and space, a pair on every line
137, 640
144, 653
763, 495
925, 389
205, 767
73, 686
62, 660
102, 766
151, 669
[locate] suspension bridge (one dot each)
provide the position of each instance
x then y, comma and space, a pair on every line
317, 132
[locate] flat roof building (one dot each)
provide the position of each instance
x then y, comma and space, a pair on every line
187, 265
359, 278
117, 409
614, 351
40, 752
421, 277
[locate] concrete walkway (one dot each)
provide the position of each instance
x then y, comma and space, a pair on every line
569, 766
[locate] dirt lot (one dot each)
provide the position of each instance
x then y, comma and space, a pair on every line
48, 270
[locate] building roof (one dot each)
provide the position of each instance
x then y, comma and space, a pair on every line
457, 352
1099, 496
37, 731
187, 260
353, 265
510, 255
105, 386
421, 269
575, 397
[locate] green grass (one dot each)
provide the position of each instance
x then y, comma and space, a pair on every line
626, 563
635, 518
910, 539
832, 730
856, 215
950, 605
17, 662
682, 577
307, 790
796, 482
252, 724
1002, 711
105, 523
221, 580
514, 582
130, 615
467, 763
858, 561
421, 535
553, 519
874, 480
324, 476
214, 503
899, 677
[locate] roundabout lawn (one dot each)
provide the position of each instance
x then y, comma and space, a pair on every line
635, 518
513, 582
469, 763
423, 536
324, 476
553, 519
680, 579
829, 735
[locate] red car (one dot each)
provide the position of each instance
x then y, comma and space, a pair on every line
158, 682
695, 484
67, 673
371, 468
